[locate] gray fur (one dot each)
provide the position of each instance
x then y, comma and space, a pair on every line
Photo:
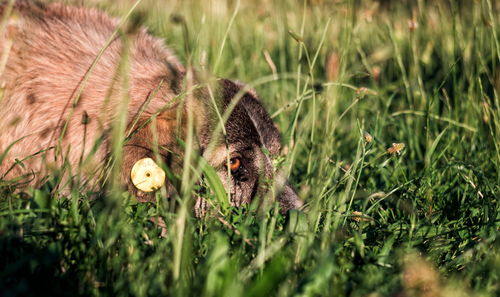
52, 49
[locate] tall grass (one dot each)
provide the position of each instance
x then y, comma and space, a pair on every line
390, 125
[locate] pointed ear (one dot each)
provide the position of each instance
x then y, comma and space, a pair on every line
268, 133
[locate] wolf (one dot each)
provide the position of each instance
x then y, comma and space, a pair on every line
70, 75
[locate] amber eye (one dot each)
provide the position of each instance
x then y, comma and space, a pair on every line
234, 164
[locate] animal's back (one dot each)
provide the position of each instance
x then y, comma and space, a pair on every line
48, 83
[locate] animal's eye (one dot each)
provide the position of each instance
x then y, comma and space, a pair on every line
234, 164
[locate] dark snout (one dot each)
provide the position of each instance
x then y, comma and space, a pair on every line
288, 199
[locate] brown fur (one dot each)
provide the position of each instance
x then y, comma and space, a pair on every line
46, 99
52, 50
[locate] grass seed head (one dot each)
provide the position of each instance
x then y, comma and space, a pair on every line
412, 25
361, 91
358, 216
396, 148
376, 73
333, 66
368, 138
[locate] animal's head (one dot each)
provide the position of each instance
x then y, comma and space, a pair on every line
244, 159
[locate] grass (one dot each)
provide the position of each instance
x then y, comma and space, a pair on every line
346, 81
